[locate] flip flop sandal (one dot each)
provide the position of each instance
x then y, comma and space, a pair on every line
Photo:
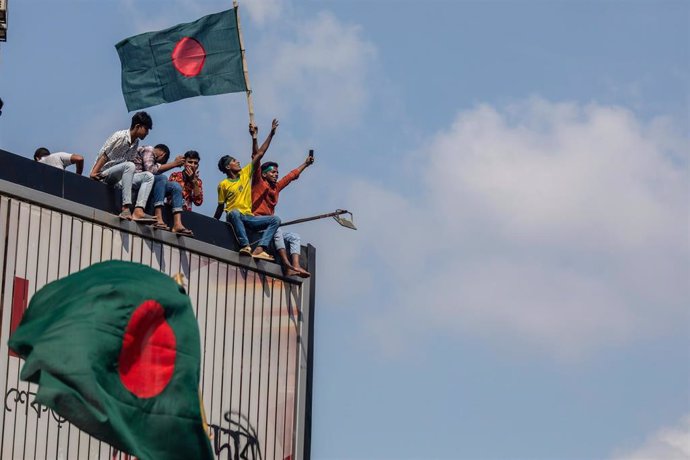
246, 251
125, 215
161, 226
145, 219
184, 232
263, 256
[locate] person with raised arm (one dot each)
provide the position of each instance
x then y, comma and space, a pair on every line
265, 193
235, 198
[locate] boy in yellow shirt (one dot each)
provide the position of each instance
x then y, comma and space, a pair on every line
235, 198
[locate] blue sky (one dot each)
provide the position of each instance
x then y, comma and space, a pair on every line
518, 287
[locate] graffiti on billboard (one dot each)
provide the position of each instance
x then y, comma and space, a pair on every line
242, 441
28, 398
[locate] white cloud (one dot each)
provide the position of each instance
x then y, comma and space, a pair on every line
314, 69
670, 443
263, 11
558, 226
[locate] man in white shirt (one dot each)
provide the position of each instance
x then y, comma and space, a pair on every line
59, 159
114, 166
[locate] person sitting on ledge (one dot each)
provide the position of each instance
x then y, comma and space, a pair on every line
155, 161
235, 197
114, 166
189, 180
265, 193
59, 159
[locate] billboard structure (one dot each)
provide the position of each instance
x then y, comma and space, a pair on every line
3, 20
255, 327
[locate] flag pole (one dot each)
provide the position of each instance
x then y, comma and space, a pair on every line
250, 102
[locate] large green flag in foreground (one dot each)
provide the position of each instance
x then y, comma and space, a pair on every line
200, 58
115, 350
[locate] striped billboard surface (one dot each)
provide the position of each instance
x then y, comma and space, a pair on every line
250, 323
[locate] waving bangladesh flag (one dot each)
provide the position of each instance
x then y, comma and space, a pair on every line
199, 58
115, 350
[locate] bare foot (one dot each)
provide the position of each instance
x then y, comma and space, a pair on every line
302, 273
291, 272
139, 216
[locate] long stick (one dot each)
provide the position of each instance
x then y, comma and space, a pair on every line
250, 102
337, 212
320, 216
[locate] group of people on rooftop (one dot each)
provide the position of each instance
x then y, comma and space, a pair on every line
248, 195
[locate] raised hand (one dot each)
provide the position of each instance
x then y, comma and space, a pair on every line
274, 126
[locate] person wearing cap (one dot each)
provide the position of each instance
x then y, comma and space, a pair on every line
265, 192
235, 198
59, 159
114, 166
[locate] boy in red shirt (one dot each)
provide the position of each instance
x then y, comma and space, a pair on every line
189, 180
265, 193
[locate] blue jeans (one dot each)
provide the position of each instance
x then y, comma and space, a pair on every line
239, 221
162, 187
292, 239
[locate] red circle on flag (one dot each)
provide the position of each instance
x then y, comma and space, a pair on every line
188, 57
147, 357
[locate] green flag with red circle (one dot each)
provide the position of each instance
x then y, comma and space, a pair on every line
199, 58
115, 350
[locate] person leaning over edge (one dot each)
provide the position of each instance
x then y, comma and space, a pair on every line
114, 166
235, 197
59, 159
155, 161
265, 194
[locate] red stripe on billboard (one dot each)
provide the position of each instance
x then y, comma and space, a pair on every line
20, 300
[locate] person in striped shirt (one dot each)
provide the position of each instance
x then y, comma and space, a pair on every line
114, 166
155, 160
